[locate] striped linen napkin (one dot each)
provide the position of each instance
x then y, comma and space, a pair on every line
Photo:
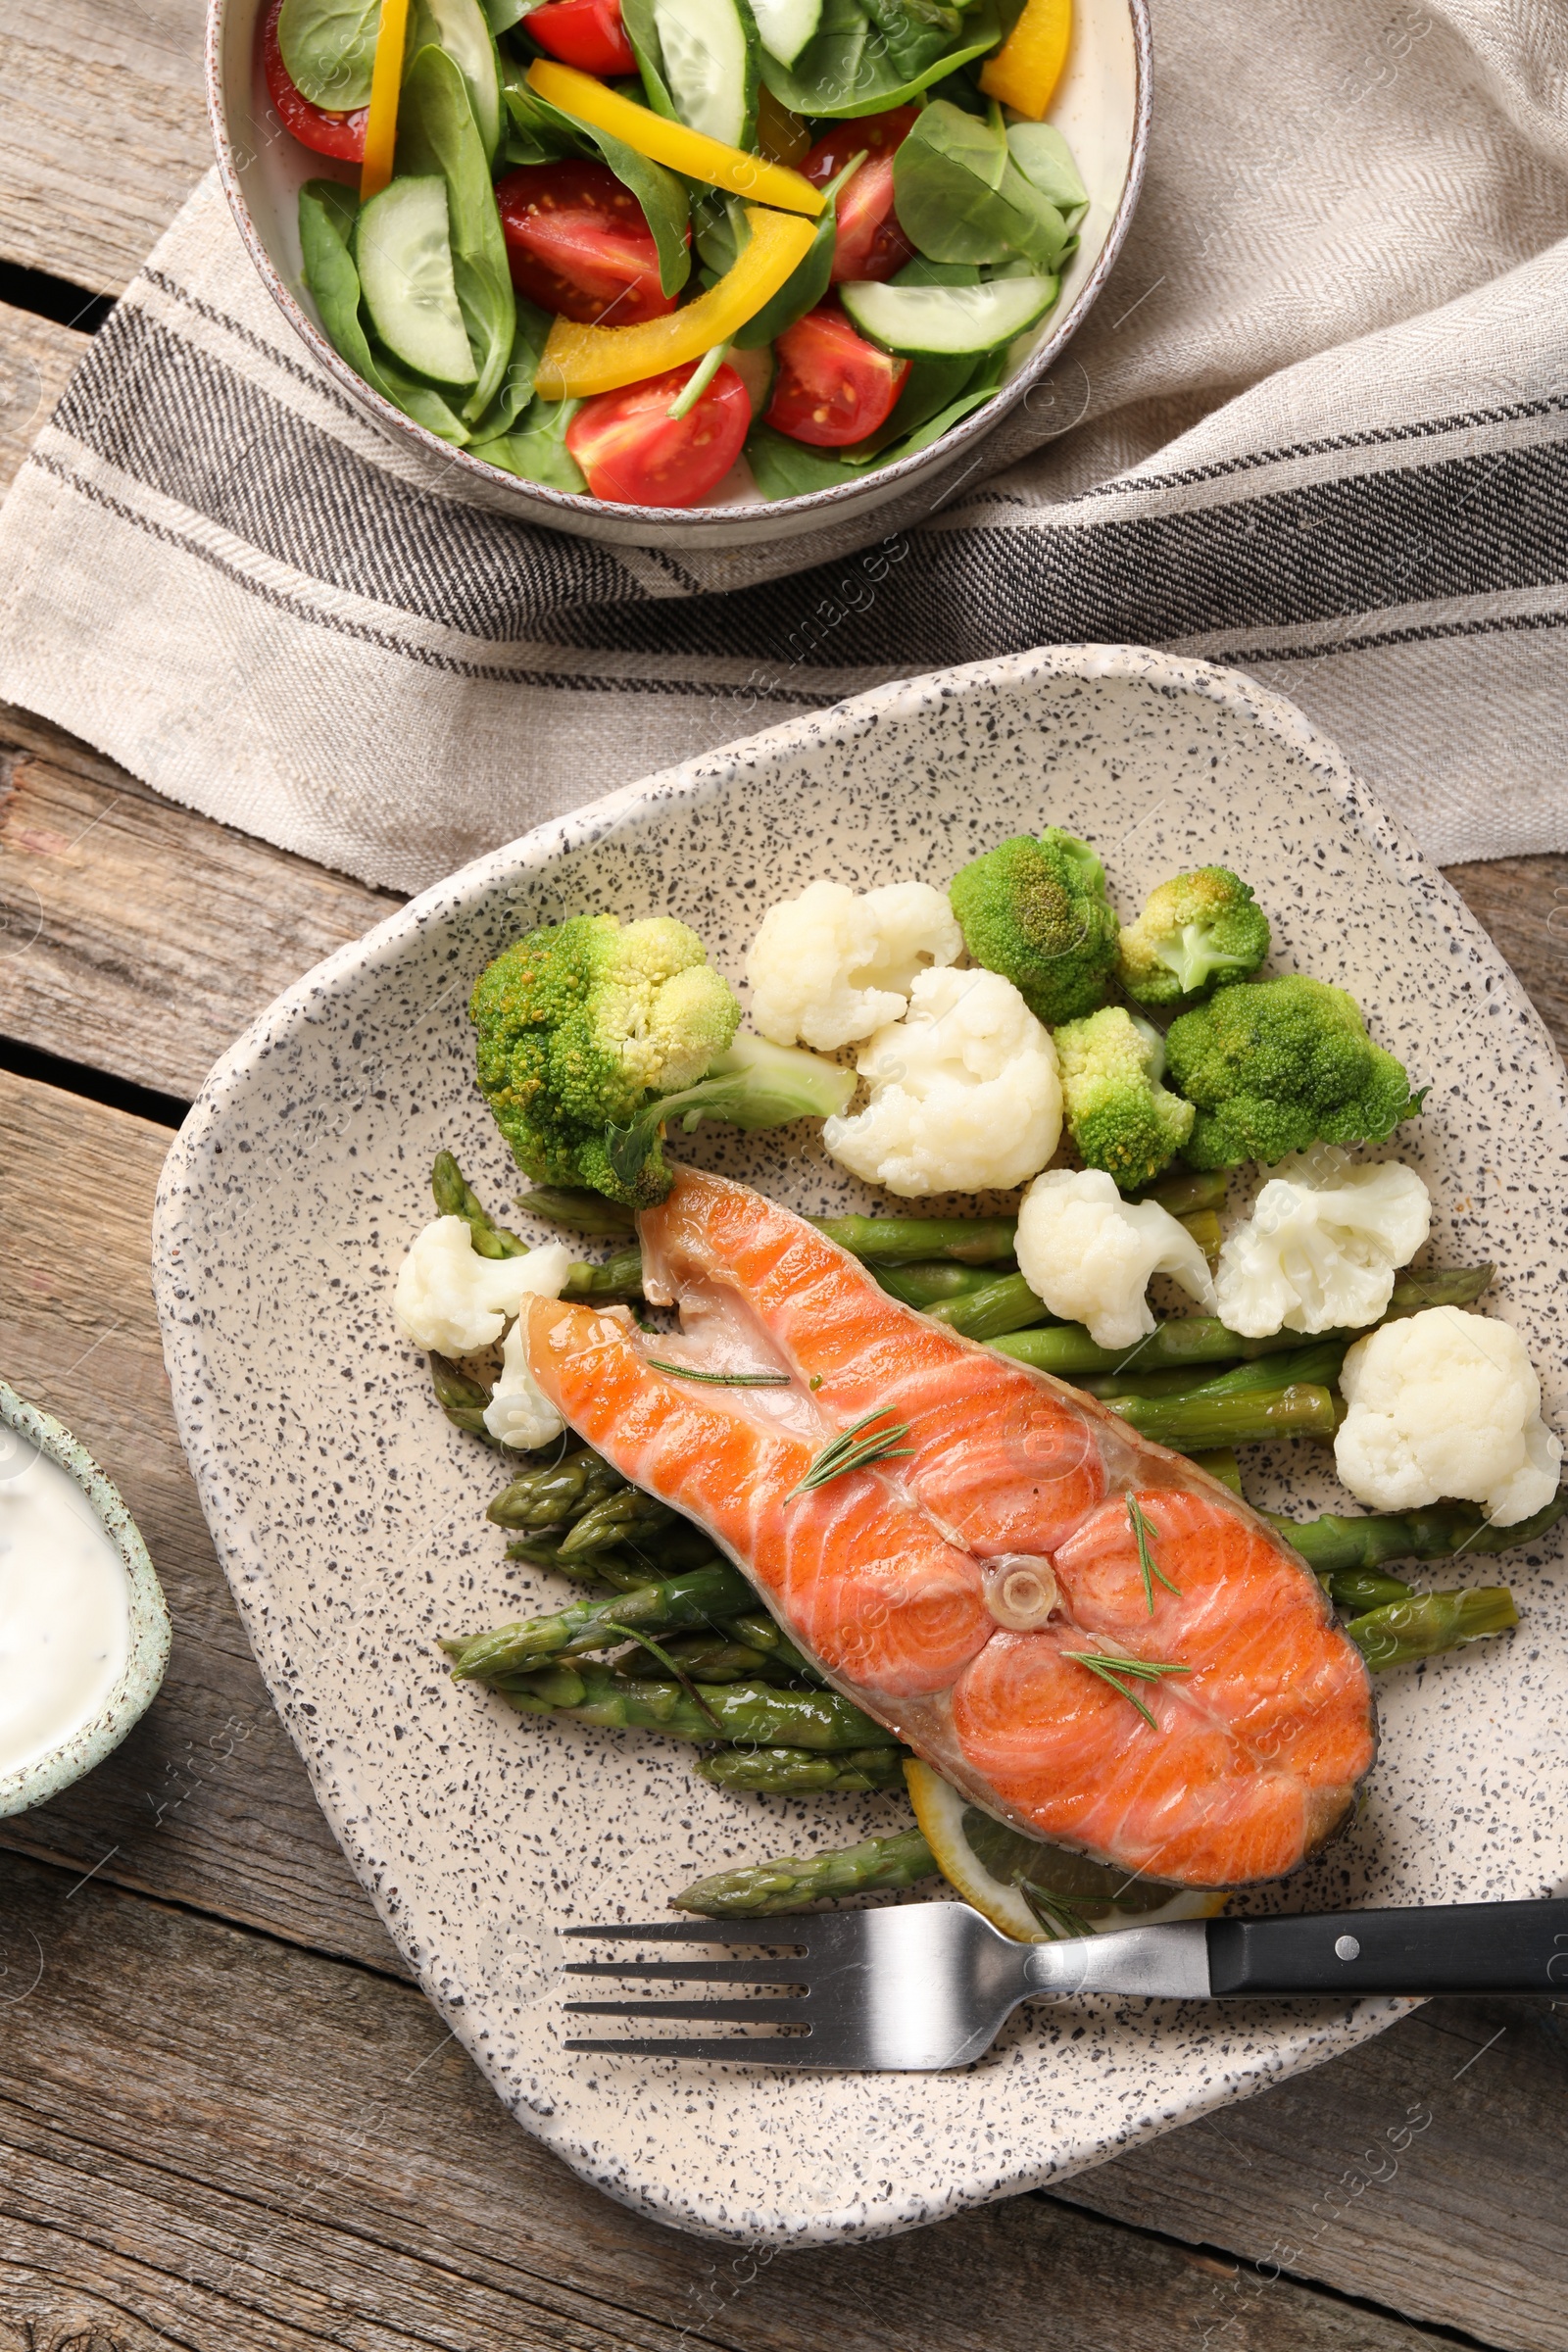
1317, 428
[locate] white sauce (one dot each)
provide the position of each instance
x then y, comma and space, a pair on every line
65, 1613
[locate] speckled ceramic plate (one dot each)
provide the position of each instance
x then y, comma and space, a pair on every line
349, 1515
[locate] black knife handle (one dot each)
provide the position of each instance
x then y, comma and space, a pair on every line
1460, 1947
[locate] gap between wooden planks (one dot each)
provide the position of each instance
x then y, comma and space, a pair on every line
237, 2143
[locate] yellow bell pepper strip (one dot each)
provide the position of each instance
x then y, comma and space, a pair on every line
1026, 68
691, 152
386, 83
581, 360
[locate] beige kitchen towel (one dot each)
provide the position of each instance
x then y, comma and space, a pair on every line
1316, 427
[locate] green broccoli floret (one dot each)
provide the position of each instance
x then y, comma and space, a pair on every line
1278, 1064
1037, 912
1118, 1114
1197, 933
591, 1034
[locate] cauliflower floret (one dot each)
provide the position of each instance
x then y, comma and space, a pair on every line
964, 1091
450, 1299
1088, 1253
518, 1412
831, 967
1321, 1245
1446, 1405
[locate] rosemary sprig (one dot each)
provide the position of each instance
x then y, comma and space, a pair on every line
852, 1449
1110, 1668
1058, 1914
1142, 1531
720, 1380
670, 1665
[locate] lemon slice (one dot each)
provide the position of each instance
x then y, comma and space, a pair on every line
1036, 1892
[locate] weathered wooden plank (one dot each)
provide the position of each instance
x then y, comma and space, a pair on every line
103, 132
1425, 2173
238, 2142
207, 1800
35, 359
142, 939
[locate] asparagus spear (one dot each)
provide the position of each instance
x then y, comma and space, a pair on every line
763, 1889
928, 1282
1222, 1463
455, 1198
752, 1713
1205, 1227
1006, 1304
1332, 1545
1067, 1349
1190, 1194
556, 1493
799, 1771
621, 1571
1319, 1364
461, 1400
1358, 1590
758, 1629
898, 1241
701, 1597
713, 1657
622, 1517
620, 1278
577, 1211
1430, 1622
1198, 1424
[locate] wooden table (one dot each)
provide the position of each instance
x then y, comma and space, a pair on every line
228, 2119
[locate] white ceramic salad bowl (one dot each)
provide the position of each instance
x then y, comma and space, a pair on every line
1101, 106
349, 1514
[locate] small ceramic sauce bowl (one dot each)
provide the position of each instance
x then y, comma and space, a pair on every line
24, 1435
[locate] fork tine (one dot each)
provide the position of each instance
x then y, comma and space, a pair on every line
703, 1931
696, 1972
746, 2013
777, 2050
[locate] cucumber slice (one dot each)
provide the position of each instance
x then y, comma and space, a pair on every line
459, 28
756, 370
709, 49
945, 322
403, 251
784, 26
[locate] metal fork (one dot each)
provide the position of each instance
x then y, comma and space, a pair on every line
924, 1985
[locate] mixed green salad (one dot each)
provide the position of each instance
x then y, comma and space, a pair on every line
1008, 1030
618, 246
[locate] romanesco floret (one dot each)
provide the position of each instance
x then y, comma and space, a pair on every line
1037, 912
1119, 1116
1198, 932
1278, 1064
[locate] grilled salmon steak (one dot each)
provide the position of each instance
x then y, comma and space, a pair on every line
900, 1578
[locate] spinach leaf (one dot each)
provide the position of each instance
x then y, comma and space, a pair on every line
921, 272
437, 133
538, 133
846, 67
661, 193
719, 230
914, 37
516, 385
327, 219
539, 453
931, 385
1045, 158
329, 48
960, 197
786, 469
642, 31
809, 281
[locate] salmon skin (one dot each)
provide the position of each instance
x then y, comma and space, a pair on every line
888, 1577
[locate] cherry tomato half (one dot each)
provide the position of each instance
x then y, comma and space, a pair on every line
579, 244
870, 244
632, 453
322, 132
832, 386
587, 34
